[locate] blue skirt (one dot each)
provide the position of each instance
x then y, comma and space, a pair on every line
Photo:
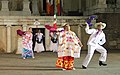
27, 53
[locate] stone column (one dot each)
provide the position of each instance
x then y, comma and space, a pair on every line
20, 47
24, 27
35, 8
13, 5
102, 4
87, 4
91, 8
4, 5
47, 40
8, 38
80, 6
26, 9
4, 10
41, 5
87, 7
101, 1
67, 6
118, 6
118, 3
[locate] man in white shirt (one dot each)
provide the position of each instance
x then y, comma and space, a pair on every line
96, 39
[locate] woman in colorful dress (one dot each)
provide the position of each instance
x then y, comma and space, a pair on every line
27, 51
68, 48
39, 42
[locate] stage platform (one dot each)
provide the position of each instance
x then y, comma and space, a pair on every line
44, 64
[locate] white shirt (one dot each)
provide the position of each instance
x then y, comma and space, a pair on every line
94, 38
39, 35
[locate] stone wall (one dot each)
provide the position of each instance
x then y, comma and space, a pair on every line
15, 5
17, 8
3, 41
112, 30
8, 26
14, 38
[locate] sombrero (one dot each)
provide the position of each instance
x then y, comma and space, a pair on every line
64, 24
100, 23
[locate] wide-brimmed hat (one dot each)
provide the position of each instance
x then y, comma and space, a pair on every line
65, 24
100, 23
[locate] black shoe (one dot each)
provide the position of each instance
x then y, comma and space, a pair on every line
83, 67
102, 64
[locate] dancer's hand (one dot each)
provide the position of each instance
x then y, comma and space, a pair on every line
81, 45
60, 44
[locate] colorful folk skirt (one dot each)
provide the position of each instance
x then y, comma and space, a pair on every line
27, 53
66, 62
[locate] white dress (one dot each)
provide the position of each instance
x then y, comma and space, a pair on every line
53, 46
39, 46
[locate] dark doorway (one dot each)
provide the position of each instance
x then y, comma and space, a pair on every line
44, 5
34, 31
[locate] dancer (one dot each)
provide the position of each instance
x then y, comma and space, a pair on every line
39, 42
68, 45
27, 51
54, 41
95, 41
